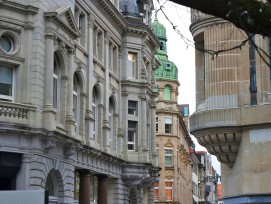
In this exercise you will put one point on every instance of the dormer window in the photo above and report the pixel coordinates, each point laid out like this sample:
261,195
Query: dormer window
161,45
168,67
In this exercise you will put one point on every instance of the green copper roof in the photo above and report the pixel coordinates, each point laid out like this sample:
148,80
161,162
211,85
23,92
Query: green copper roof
167,70
159,29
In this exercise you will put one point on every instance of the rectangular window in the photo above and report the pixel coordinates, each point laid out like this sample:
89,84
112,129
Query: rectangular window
132,65
6,83
156,191
132,107
55,90
76,185
132,130
168,125
156,123
115,59
169,190
100,40
168,157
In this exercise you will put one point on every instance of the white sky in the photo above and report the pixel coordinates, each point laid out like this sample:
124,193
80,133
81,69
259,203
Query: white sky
182,55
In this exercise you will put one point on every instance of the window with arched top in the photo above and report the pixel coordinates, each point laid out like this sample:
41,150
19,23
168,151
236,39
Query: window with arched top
111,121
56,85
167,93
95,113
76,101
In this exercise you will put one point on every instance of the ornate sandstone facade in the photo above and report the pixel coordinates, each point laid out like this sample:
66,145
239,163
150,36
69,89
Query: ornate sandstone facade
77,100
172,138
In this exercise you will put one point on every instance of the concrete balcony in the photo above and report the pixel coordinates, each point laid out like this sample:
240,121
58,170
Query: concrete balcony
16,113
220,130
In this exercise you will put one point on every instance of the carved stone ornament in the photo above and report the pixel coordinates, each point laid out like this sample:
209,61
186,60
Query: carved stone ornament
68,150
48,143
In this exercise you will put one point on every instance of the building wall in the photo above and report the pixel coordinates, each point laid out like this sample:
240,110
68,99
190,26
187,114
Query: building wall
232,117
65,121
172,138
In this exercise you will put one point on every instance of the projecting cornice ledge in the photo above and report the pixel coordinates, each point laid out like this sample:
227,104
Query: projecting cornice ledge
220,130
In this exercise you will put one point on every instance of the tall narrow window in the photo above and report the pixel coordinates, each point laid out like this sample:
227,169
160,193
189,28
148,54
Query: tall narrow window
132,107
168,157
200,67
76,101
169,190
156,191
167,93
132,65
132,130
111,121
100,41
95,113
6,83
115,59
56,86
156,123
168,125
76,185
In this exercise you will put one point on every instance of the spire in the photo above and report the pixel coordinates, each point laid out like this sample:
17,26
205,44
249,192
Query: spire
167,69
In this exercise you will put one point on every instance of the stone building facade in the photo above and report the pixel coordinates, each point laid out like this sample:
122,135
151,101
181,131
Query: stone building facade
233,97
77,99
172,138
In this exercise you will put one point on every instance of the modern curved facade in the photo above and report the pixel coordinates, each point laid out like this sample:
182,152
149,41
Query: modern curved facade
172,138
233,97
77,100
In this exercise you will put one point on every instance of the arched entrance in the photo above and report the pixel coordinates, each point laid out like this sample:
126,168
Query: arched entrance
54,186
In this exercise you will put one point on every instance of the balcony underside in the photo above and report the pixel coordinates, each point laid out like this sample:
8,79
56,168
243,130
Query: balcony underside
221,142
220,130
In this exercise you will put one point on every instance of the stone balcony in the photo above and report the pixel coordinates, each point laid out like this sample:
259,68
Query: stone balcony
220,130
16,113
197,16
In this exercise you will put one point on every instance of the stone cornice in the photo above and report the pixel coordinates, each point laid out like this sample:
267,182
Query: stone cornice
112,12
19,7
55,16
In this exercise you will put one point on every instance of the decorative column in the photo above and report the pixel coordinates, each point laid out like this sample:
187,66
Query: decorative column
144,143
70,121
102,189
106,125
48,110
153,133
120,132
90,79
100,125
84,188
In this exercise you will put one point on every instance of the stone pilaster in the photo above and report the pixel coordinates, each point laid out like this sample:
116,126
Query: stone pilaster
106,131
143,124
22,181
90,78
70,121
48,109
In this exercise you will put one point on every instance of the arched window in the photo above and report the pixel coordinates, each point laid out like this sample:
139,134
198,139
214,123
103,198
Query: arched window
56,86
95,113
76,101
111,121
49,186
167,93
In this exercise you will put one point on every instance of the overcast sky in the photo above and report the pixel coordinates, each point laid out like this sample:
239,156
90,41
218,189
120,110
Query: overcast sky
182,54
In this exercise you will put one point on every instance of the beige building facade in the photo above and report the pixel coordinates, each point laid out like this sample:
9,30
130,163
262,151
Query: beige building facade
77,100
233,97
172,138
